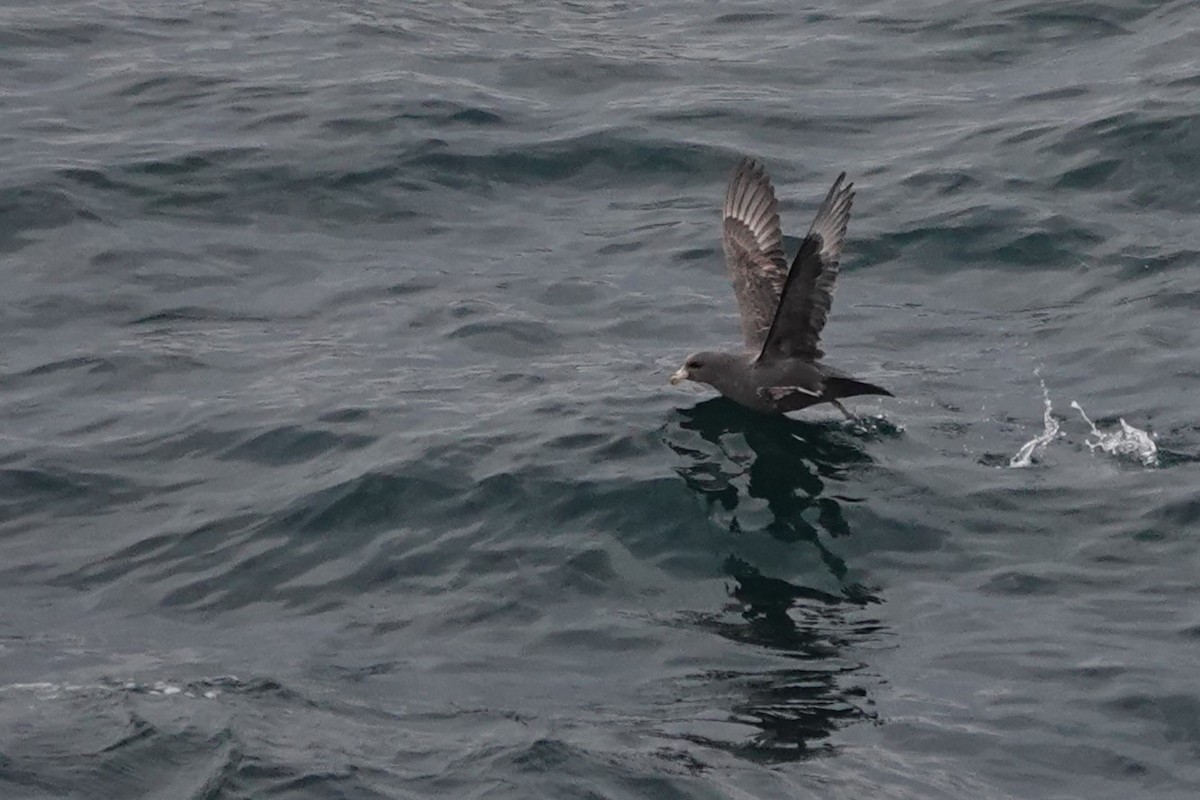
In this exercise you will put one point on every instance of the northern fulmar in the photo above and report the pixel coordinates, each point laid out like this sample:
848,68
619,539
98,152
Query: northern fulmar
783,310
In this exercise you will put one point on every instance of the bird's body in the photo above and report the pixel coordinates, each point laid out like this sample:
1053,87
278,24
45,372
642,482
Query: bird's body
783,309
775,386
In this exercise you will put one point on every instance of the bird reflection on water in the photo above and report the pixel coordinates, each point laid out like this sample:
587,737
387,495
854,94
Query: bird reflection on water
739,460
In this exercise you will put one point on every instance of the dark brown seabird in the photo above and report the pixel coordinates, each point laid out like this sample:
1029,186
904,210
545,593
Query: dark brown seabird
783,310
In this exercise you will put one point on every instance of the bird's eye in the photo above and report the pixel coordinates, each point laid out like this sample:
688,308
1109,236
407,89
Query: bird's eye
695,364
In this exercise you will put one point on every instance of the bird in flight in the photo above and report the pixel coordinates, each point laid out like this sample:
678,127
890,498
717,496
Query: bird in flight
783,309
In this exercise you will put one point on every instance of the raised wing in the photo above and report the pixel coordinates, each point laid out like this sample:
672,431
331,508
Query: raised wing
808,291
753,249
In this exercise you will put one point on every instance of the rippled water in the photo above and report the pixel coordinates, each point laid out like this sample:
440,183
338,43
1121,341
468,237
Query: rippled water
337,457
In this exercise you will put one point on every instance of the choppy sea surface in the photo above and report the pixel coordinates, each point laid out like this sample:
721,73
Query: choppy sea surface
337,454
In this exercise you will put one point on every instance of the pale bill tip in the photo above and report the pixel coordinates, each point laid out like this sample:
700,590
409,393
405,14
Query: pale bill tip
681,374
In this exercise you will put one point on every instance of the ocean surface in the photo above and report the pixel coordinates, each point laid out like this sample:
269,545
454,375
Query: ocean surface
337,453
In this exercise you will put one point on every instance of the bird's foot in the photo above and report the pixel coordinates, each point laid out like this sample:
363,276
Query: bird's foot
842,409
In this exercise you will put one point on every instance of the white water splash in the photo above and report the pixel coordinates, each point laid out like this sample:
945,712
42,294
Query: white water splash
1035,446
1128,442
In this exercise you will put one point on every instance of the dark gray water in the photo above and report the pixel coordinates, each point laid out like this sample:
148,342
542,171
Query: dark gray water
337,458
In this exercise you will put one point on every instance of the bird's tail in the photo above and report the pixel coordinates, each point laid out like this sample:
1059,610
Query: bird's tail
837,387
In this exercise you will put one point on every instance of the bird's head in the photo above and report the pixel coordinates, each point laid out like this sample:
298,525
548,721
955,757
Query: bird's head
698,367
